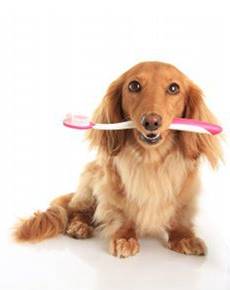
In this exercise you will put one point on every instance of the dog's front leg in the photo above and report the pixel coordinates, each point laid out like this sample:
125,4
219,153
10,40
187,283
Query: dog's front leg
115,226
182,237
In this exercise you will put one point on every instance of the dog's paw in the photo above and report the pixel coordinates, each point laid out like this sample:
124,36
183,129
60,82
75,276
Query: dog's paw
188,246
124,248
79,230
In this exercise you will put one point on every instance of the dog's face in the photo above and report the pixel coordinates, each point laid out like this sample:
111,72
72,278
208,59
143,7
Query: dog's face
153,94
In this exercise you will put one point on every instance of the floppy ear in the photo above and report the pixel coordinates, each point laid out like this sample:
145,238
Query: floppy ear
109,111
194,144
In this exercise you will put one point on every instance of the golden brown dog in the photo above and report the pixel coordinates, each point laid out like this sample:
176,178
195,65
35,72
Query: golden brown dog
144,180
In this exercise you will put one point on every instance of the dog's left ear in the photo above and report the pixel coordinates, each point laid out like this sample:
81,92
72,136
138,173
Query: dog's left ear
195,145
109,142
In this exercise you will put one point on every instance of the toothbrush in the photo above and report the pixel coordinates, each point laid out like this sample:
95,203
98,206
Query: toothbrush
180,124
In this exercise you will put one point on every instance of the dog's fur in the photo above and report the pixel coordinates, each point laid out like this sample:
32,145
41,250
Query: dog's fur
134,189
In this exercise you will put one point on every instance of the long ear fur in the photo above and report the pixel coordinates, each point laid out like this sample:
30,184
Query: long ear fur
194,144
109,111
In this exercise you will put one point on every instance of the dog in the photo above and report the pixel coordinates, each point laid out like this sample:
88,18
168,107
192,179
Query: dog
144,181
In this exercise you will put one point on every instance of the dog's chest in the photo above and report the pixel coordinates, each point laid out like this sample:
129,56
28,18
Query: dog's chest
151,189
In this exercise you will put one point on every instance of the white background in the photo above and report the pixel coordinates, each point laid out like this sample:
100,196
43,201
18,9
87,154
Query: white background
58,57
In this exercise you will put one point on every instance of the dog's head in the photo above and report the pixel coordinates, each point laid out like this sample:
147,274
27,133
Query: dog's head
152,94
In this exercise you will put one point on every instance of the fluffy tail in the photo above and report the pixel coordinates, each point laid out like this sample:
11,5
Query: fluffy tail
44,225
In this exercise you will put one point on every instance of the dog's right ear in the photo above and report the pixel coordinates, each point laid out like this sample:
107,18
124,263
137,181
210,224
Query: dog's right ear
109,111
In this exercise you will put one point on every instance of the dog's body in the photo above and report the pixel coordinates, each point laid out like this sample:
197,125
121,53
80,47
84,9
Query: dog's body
145,180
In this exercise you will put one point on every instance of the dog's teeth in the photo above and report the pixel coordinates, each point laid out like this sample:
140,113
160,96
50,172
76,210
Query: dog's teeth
152,138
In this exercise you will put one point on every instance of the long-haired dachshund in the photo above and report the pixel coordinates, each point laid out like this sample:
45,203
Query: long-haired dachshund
144,180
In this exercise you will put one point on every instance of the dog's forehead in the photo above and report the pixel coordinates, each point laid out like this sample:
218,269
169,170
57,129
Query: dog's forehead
155,70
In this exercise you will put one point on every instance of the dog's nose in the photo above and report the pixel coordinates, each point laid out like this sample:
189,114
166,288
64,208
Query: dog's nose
151,121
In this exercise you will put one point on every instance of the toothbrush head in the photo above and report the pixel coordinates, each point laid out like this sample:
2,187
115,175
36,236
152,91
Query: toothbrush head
78,122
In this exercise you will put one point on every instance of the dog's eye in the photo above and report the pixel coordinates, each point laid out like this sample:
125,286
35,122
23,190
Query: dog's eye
173,89
134,86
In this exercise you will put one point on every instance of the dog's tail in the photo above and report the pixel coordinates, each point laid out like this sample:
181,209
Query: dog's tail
44,225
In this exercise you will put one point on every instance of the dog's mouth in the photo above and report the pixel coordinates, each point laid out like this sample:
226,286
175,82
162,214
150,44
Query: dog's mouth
150,138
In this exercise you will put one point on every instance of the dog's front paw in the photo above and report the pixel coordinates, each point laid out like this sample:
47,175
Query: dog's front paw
124,248
79,230
188,246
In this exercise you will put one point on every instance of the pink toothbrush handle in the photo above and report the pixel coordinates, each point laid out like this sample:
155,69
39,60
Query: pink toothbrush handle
210,128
